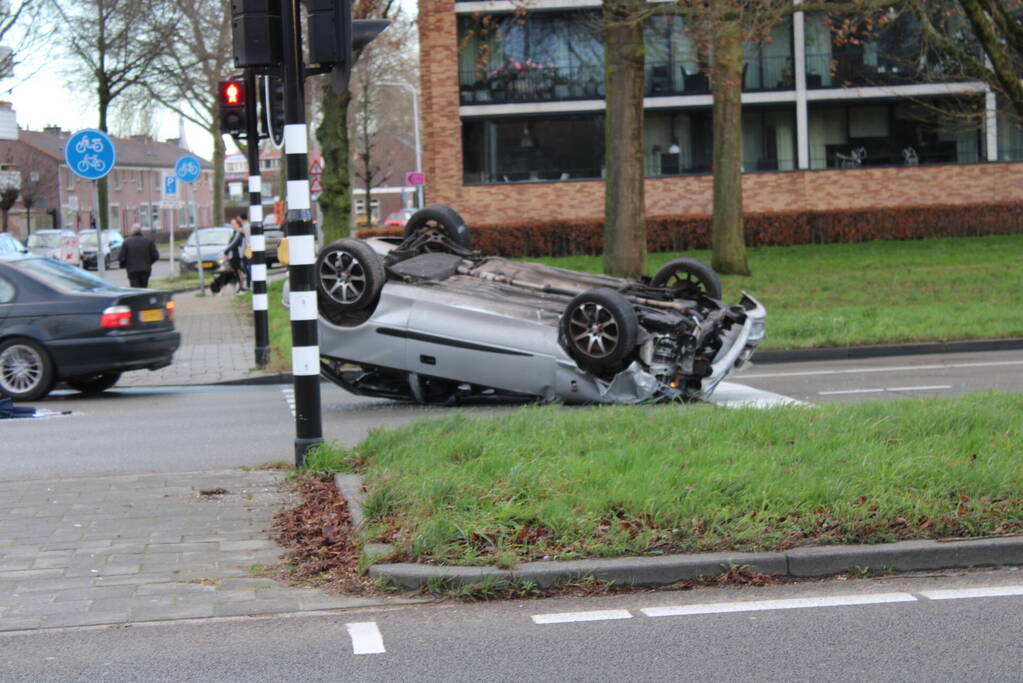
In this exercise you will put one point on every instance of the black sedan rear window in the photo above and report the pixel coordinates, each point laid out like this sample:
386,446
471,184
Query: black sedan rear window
61,275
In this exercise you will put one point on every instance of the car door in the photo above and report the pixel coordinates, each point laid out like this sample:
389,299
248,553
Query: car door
6,299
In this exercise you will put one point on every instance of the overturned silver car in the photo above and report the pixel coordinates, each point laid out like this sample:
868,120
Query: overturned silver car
432,321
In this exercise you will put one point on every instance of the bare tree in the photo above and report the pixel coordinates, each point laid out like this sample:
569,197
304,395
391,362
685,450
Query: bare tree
113,45
20,32
332,132
37,178
368,170
185,77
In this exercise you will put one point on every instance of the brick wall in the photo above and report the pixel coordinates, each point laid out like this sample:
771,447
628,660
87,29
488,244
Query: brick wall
688,195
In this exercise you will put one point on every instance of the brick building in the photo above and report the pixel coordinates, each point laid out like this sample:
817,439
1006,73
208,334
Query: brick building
827,124
135,186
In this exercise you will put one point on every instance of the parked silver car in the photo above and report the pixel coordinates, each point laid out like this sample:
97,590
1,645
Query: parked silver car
206,245
432,321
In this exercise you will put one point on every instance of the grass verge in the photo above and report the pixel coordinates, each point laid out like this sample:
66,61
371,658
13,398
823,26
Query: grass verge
546,482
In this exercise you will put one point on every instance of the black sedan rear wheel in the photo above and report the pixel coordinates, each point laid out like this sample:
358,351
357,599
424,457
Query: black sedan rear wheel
26,370
349,276
600,330
94,384
688,278
437,222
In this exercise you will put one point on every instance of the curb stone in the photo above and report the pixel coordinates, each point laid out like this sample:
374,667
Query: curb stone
664,570
768,356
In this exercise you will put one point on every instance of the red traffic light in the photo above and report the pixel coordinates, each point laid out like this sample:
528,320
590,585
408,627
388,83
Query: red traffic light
231,92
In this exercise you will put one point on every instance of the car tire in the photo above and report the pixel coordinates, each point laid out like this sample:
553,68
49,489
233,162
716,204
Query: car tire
688,278
94,384
600,330
26,369
439,221
349,277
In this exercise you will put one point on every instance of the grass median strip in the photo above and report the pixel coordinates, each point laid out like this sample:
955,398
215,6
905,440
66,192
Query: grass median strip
550,482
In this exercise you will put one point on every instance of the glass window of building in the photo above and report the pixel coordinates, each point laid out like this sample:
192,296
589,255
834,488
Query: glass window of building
935,131
533,148
768,64
1010,138
678,142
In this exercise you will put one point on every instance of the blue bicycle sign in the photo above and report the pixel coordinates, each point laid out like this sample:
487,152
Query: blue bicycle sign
188,168
90,154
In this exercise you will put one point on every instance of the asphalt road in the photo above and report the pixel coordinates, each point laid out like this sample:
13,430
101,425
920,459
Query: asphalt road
931,628
872,379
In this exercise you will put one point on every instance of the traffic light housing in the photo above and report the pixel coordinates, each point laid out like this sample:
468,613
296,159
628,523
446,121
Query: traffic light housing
333,36
272,98
256,31
231,98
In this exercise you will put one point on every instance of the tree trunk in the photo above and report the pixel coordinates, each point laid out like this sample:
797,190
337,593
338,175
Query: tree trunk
219,153
728,237
336,198
102,210
624,206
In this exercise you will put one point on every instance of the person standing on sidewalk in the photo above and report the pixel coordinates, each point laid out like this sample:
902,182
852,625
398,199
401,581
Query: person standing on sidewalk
235,251
138,254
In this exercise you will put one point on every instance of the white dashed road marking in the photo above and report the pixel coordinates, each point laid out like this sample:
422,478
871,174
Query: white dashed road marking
366,638
764,605
960,593
856,371
933,387
289,397
595,615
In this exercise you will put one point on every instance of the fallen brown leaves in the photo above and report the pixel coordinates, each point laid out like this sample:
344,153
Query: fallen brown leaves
320,540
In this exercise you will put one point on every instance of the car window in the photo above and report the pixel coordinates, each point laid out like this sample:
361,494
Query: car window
6,291
9,245
60,275
48,240
211,236
88,239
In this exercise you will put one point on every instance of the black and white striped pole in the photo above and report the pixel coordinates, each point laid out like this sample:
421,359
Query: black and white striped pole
305,351
256,239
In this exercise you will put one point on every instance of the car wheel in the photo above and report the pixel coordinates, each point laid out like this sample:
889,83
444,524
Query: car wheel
600,330
349,276
26,371
94,384
688,278
437,222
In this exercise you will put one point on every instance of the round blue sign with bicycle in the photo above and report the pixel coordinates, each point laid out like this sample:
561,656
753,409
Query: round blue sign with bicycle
188,168
90,154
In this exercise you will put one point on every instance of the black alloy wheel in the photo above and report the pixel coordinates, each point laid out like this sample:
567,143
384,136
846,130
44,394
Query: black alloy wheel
435,223
600,330
349,277
688,278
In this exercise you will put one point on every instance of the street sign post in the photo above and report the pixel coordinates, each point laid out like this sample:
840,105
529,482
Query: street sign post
91,155
187,170
170,201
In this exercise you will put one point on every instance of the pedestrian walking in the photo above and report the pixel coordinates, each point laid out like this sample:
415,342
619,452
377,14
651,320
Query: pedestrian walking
246,250
234,253
138,254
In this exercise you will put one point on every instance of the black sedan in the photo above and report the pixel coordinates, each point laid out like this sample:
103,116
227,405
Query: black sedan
60,323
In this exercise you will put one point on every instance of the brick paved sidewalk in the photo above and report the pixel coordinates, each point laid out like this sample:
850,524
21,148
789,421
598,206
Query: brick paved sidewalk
131,548
217,344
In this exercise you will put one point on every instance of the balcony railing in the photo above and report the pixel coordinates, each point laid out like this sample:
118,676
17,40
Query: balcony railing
534,84
838,71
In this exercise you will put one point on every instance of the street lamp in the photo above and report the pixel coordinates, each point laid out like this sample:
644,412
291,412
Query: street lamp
415,131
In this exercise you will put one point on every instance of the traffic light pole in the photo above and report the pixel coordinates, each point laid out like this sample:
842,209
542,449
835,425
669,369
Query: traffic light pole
305,351
256,239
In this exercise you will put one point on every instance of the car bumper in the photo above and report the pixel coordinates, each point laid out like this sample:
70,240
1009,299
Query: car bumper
735,352
114,353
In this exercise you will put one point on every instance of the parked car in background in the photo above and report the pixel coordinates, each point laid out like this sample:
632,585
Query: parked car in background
60,323
398,219
60,245
11,245
112,241
206,245
273,238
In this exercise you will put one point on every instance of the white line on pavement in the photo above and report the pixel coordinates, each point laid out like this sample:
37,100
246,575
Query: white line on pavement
932,387
897,368
595,615
986,592
366,638
762,605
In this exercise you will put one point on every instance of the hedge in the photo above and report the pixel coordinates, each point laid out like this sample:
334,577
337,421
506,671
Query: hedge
679,233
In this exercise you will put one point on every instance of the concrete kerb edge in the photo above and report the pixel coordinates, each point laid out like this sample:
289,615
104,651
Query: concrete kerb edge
768,356
664,570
